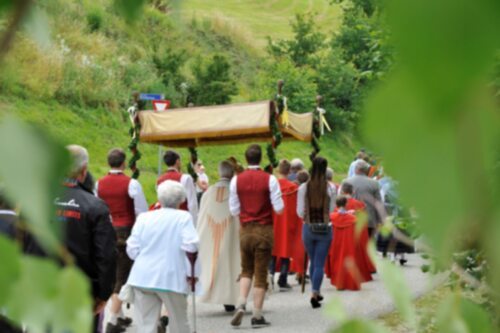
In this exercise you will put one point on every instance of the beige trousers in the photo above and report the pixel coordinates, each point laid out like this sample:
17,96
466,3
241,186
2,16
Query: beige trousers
148,304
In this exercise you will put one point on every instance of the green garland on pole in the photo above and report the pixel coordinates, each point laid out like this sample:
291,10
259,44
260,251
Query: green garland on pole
193,159
316,130
134,133
277,110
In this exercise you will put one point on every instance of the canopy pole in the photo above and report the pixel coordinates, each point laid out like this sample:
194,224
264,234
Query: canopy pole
160,157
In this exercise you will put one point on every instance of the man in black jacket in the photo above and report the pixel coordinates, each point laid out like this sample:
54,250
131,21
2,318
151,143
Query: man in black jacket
88,233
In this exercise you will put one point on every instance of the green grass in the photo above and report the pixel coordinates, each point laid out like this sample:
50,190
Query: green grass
258,19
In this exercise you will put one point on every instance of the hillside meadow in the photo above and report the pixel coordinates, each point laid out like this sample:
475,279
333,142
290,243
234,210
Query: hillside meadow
77,87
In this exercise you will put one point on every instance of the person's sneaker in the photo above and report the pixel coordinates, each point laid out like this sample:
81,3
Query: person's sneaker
261,322
238,317
162,324
285,287
126,321
110,328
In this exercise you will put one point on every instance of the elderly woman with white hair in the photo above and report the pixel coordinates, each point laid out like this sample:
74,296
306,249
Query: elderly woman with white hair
159,244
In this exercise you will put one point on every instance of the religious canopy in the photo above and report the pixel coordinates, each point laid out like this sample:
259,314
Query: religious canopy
221,124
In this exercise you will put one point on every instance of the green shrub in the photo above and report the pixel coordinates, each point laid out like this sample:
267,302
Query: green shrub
95,19
300,87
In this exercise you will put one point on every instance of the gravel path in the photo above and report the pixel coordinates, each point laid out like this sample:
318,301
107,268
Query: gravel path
291,312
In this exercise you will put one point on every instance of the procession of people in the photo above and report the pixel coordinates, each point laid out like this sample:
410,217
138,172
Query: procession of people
223,242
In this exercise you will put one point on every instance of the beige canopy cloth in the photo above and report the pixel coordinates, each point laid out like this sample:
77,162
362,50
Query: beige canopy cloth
222,124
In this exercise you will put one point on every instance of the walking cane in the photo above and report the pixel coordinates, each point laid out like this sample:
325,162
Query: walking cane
192,256
306,259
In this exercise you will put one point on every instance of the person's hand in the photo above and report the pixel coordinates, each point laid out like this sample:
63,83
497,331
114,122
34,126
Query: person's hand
99,305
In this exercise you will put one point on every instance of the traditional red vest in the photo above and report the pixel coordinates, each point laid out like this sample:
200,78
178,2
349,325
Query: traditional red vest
113,189
252,187
176,177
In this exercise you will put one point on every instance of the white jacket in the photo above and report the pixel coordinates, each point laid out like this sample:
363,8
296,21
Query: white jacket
158,245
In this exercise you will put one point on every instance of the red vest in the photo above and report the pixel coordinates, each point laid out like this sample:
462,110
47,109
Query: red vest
176,177
252,187
113,189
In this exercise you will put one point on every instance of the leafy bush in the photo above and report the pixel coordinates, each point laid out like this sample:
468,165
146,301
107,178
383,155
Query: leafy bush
299,88
95,18
303,48
213,81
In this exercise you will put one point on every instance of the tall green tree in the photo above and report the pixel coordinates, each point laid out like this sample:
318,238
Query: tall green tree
303,49
213,82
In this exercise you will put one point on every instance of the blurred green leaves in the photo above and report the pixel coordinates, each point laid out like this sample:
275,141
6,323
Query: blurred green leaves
37,293
6,4
446,45
359,326
435,112
395,283
31,170
457,315
36,25
9,257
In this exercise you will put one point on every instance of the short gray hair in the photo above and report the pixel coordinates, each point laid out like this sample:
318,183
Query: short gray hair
79,159
226,170
171,194
297,164
329,174
361,167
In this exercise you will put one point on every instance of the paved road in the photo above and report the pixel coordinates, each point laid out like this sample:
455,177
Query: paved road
291,312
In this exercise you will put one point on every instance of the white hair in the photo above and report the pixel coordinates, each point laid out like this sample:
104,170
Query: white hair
329,174
226,170
361,167
297,164
79,157
171,194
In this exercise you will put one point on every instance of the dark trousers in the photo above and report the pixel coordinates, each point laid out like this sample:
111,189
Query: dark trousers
284,269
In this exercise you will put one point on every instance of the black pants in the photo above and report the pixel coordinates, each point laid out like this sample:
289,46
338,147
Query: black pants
284,268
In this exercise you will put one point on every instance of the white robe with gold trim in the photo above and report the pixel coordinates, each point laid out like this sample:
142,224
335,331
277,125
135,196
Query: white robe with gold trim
219,249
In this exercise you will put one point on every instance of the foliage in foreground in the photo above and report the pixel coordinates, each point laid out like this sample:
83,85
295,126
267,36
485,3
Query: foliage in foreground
435,122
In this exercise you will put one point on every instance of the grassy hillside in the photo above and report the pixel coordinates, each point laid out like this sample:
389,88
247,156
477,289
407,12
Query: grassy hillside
78,88
257,19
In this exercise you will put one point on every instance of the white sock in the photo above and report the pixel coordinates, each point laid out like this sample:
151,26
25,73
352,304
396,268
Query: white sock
114,318
242,302
257,313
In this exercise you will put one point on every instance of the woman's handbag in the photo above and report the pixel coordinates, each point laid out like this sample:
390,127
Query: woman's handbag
319,228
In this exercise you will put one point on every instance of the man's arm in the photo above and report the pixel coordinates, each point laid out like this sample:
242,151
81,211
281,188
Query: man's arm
275,192
136,193
234,201
192,201
104,249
